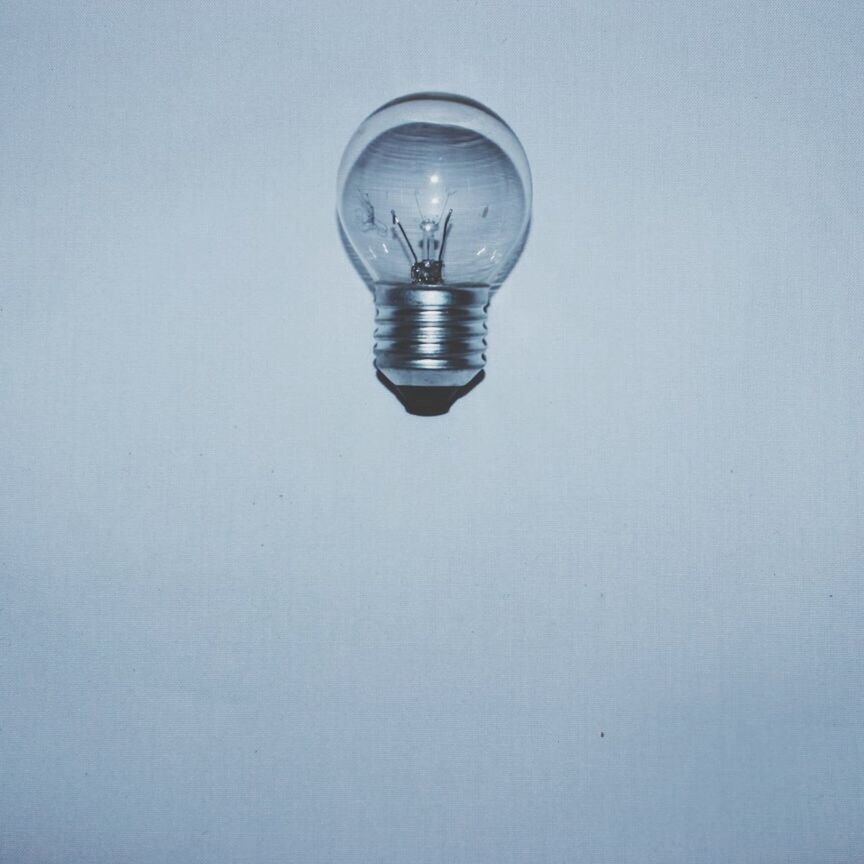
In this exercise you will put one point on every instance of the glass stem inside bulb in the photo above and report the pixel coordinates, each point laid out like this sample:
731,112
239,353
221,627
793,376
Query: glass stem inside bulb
428,270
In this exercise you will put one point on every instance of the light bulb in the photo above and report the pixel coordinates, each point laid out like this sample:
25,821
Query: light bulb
434,205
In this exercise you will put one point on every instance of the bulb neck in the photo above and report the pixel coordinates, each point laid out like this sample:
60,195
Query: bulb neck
430,335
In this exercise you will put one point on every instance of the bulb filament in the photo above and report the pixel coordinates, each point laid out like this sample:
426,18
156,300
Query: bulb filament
429,270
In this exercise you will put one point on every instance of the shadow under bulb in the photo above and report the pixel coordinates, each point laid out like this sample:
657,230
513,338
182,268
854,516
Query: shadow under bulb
434,205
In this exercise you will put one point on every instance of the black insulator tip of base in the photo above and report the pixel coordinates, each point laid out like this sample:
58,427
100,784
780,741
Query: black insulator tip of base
429,401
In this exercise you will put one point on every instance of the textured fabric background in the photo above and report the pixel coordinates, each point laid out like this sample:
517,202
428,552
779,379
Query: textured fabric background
609,610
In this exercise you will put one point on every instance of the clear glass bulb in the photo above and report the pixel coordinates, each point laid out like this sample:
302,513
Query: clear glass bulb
434,204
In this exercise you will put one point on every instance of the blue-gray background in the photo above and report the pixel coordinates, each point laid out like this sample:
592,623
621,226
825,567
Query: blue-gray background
608,610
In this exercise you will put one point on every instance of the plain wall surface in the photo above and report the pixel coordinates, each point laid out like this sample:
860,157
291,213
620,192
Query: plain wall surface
608,610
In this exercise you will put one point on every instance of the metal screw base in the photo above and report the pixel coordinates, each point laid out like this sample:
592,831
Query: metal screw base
430,335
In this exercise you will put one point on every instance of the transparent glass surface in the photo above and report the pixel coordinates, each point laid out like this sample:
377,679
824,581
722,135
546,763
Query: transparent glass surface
434,189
